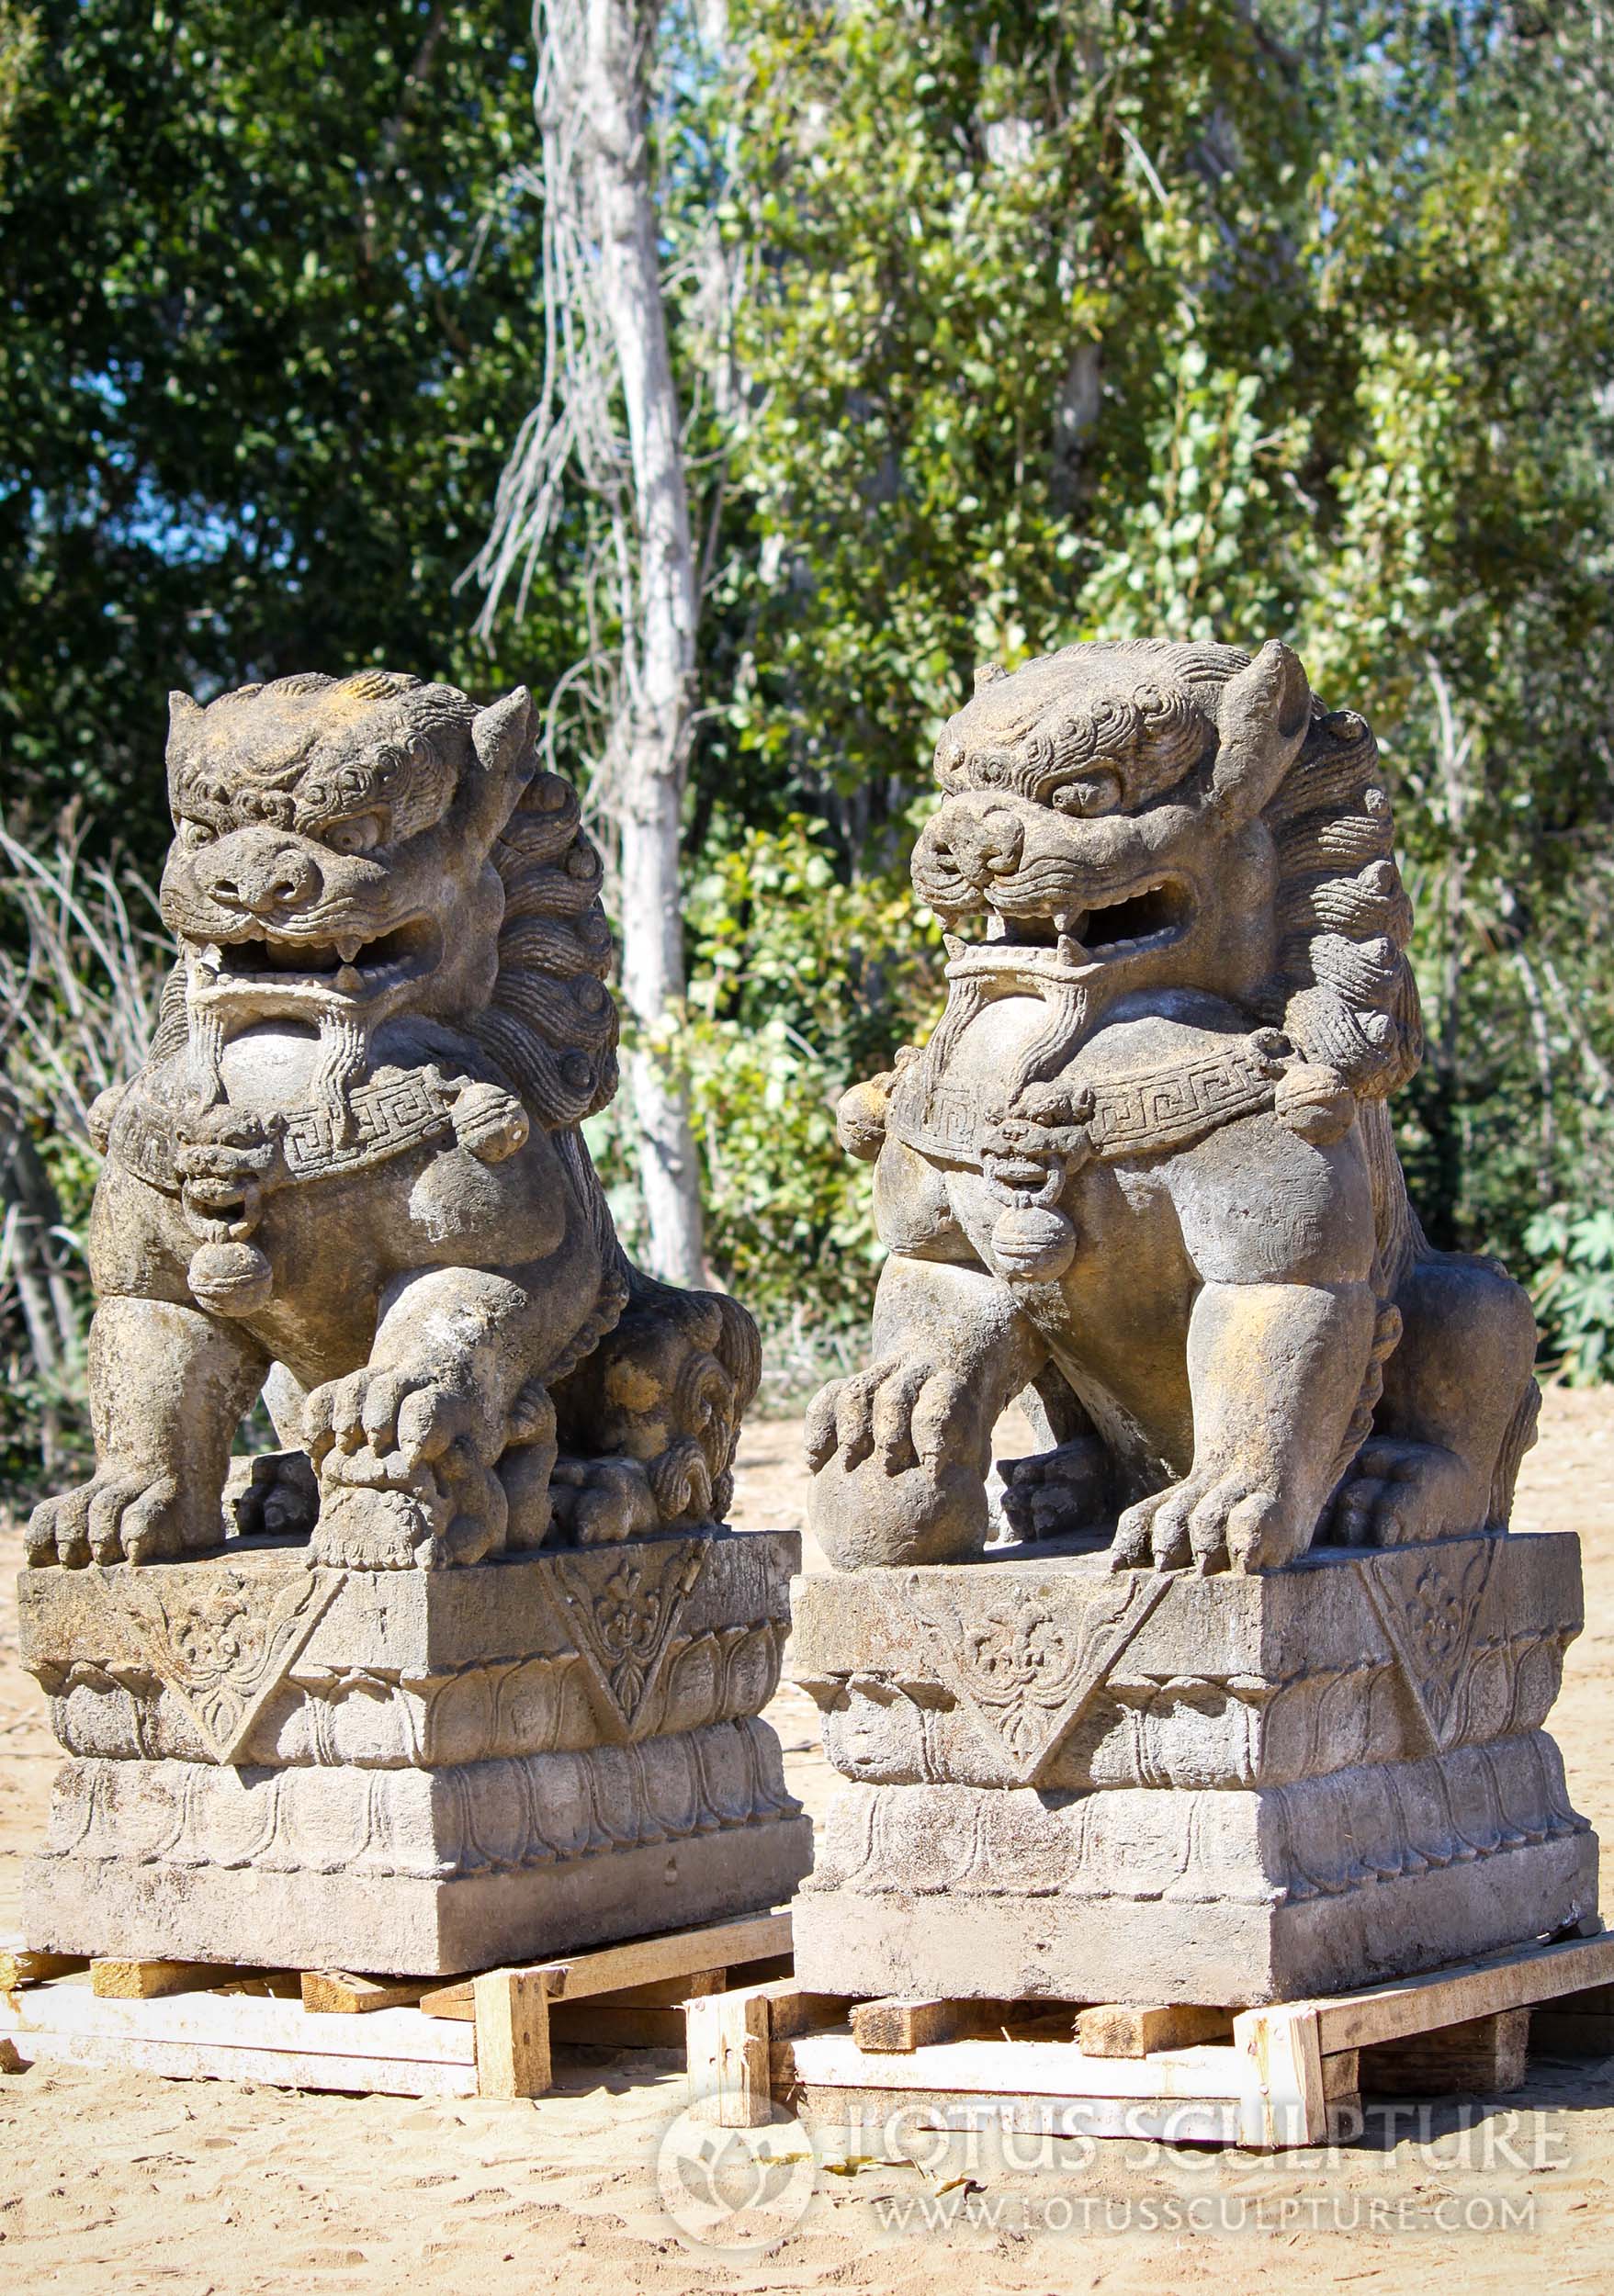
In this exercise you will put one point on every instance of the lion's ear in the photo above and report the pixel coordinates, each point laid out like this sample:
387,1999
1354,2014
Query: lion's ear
502,733
182,710
1261,721
501,736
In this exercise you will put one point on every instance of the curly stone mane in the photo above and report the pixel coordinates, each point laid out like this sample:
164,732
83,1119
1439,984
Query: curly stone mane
551,1023
1343,992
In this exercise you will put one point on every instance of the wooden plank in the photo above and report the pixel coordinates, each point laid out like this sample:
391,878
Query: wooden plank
454,2001
602,2025
1342,2075
338,1993
1451,1997
512,2033
880,2118
1033,2068
1122,2029
1482,2057
670,1992
1284,2047
729,2071
278,2068
895,2026
117,1980
640,1960
20,1964
222,2020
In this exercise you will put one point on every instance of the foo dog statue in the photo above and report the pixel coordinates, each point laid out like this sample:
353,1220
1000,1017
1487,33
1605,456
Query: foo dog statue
351,1166
1249,1707
1143,1169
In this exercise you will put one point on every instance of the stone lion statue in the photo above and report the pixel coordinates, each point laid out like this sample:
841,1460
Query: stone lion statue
1142,1173
350,1173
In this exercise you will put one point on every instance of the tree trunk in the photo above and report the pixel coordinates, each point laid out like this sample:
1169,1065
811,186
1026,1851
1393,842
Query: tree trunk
652,746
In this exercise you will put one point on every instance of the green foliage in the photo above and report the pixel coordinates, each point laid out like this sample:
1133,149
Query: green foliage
1082,319
1574,1294
269,327
801,985
1051,320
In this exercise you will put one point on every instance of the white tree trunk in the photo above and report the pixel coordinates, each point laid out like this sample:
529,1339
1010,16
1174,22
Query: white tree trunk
658,686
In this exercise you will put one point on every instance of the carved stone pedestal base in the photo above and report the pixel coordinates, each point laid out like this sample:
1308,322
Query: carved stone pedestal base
1066,1783
411,1772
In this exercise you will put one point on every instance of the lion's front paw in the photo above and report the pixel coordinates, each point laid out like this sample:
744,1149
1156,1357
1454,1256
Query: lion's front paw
405,1466
122,1514
897,1413
895,1479
384,1411
1227,1521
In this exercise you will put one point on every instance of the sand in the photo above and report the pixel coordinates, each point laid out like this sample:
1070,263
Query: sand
121,2184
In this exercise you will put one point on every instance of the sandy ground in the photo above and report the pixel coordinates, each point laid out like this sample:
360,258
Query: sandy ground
123,2184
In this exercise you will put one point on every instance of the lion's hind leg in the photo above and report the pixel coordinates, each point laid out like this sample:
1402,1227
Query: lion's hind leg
1457,1414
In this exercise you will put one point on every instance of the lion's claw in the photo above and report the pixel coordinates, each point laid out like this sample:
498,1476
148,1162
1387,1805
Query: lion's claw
405,1473
1398,1494
1210,1521
900,1408
123,1514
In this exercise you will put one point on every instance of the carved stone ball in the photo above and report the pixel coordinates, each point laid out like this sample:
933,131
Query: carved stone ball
1033,1243
1317,1102
231,1278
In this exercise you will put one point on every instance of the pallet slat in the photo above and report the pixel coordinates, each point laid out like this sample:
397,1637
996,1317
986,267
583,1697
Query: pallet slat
336,1993
1031,2069
1451,1997
486,2035
224,2021
1290,2071
640,1961
277,2068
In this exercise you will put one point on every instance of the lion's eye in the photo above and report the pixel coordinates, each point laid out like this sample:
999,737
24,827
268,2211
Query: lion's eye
357,836
195,833
1094,793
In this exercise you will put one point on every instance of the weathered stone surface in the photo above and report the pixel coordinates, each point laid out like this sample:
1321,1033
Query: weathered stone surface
566,1745
384,1668
1142,1174
1247,1699
352,1167
1221,1952
482,1675
1033,1667
1063,1782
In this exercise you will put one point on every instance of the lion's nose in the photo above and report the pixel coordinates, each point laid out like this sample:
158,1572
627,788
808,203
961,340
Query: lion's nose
979,846
264,879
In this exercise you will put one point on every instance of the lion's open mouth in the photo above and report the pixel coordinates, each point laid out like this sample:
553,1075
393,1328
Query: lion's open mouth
350,965
1154,918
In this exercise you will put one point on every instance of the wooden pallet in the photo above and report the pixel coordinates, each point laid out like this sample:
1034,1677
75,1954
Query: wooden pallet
487,2035
1289,2075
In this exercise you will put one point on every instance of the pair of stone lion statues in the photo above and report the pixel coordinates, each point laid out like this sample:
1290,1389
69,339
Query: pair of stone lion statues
1140,1177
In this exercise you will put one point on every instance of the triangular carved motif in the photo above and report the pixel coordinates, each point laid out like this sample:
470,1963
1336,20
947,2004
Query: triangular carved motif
222,1644
620,1605
1429,1602
1024,1664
